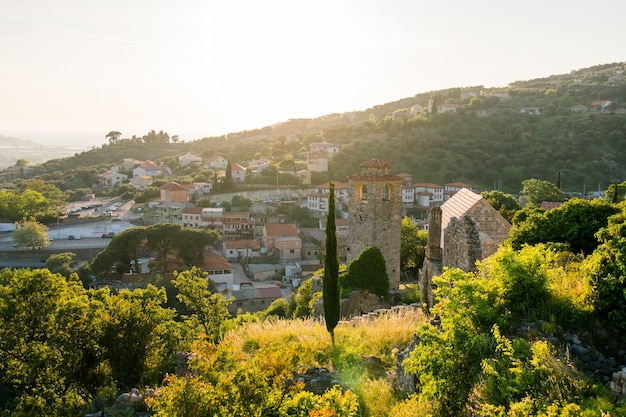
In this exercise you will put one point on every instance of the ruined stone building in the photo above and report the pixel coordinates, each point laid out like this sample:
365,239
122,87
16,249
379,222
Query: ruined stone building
466,229
375,215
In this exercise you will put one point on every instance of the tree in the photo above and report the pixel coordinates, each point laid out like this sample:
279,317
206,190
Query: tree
31,235
607,272
113,137
138,335
206,309
61,263
49,336
412,245
504,203
227,183
574,224
369,272
330,291
537,191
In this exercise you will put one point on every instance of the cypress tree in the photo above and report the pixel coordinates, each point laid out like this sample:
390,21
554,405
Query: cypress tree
331,269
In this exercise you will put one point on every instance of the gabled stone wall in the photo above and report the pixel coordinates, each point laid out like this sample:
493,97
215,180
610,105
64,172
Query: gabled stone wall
462,244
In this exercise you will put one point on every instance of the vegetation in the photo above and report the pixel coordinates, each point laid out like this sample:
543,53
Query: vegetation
367,271
31,235
331,295
412,247
496,343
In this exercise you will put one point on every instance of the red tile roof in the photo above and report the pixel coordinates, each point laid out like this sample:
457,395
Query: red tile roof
281,230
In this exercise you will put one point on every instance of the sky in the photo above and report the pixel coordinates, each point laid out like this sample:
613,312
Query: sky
73,70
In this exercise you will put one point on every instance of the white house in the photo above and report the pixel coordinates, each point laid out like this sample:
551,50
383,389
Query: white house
216,162
317,201
238,172
240,249
148,168
110,179
189,158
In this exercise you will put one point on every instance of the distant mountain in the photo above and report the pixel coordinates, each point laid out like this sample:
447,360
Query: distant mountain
13,148
13,141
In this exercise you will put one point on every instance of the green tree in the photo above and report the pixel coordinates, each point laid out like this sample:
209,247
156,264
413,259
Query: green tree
331,296
412,246
227,182
607,274
137,341
537,191
574,224
504,203
113,137
31,235
61,263
369,272
204,308
304,300
49,337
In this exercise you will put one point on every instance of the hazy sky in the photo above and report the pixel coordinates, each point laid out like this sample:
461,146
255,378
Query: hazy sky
79,69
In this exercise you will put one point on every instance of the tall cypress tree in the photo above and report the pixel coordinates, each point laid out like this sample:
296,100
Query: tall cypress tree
331,269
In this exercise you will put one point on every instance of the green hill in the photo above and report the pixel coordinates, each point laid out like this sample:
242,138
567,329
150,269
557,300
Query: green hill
494,136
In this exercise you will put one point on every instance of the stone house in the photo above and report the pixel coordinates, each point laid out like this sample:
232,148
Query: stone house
465,229
489,227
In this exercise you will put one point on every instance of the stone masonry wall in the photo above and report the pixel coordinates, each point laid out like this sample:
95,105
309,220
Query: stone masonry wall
462,244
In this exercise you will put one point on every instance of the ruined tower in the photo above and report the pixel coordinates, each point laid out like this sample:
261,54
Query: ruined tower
375,215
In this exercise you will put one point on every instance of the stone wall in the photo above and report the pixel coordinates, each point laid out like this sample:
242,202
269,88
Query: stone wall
462,244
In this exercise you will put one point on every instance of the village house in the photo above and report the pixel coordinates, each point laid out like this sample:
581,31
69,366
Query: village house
173,192
317,201
147,168
240,249
219,270
111,178
304,176
257,166
253,296
230,225
189,158
216,162
130,163
318,156
452,188
141,182
283,241
238,173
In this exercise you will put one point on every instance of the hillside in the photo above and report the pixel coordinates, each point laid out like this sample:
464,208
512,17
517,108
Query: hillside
529,129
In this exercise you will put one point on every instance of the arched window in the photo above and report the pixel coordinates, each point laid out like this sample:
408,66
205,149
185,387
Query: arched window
361,192
387,192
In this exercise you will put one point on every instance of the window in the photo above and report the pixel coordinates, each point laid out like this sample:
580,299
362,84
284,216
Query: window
292,251
361,192
387,192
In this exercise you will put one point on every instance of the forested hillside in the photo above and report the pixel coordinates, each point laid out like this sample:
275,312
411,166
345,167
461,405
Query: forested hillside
495,136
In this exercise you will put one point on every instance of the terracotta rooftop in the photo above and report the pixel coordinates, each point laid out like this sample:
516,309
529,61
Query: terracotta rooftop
281,230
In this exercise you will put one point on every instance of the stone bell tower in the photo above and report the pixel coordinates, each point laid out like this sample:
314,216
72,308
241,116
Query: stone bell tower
375,215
